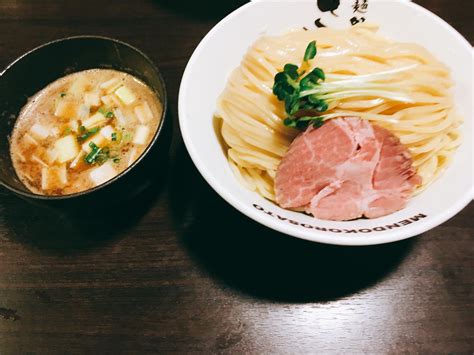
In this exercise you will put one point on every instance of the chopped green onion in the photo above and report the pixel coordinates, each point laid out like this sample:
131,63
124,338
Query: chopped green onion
103,156
126,137
86,133
107,113
97,155
92,156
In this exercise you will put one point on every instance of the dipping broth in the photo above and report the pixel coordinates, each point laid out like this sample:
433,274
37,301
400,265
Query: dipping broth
82,130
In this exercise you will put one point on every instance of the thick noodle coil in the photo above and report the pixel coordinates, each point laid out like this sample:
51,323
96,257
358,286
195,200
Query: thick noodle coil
252,117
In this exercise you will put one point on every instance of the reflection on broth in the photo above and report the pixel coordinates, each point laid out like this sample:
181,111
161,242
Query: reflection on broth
82,130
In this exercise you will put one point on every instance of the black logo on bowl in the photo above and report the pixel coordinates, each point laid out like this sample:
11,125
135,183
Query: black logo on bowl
385,227
318,23
328,5
354,20
359,8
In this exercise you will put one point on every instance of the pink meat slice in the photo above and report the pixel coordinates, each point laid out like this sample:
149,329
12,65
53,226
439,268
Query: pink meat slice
394,178
345,170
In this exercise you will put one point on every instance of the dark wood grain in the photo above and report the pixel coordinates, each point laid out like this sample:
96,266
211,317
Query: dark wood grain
172,277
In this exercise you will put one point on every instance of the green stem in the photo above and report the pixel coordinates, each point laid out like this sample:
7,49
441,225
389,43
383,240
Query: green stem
369,77
375,93
329,88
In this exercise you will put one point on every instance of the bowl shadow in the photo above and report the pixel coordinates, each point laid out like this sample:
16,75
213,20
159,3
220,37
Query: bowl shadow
263,263
76,227
73,231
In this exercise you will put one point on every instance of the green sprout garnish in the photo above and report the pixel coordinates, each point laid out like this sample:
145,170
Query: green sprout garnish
307,97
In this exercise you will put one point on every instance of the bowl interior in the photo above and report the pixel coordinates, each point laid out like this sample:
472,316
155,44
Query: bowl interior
210,66
43,65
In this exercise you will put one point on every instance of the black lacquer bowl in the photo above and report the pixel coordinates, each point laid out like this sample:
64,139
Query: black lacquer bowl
41,66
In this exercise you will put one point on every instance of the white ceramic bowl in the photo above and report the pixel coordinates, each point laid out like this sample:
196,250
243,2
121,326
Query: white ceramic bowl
222,50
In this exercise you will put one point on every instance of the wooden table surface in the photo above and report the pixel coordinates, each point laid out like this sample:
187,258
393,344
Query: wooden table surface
165,278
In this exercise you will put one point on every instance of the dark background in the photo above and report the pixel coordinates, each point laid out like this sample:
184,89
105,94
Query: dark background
172,276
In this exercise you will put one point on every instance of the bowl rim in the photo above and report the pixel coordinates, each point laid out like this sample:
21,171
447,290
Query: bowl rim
163,100
237,203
